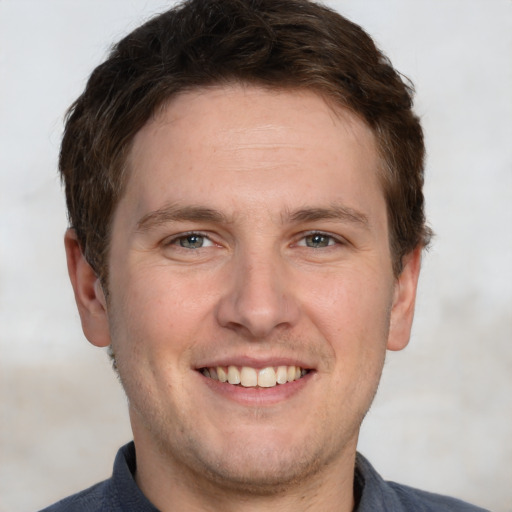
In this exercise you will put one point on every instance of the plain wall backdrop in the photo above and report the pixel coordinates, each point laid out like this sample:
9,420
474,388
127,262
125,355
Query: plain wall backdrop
443,417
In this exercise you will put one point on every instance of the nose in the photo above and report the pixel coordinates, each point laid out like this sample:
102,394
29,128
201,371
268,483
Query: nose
259,297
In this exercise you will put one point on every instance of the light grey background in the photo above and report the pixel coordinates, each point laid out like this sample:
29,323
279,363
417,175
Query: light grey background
443,417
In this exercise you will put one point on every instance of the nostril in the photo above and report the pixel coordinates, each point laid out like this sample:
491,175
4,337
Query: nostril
258,299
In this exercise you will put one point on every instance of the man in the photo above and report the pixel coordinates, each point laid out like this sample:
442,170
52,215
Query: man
244,185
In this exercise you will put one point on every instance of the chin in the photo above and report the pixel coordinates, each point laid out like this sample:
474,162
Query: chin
261,465
263,473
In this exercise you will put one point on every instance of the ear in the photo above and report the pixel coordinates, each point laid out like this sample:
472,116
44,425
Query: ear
404,298
89,295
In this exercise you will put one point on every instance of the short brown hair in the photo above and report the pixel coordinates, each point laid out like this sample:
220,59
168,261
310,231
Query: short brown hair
273,43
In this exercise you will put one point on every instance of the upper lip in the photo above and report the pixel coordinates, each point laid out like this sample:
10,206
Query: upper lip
254,362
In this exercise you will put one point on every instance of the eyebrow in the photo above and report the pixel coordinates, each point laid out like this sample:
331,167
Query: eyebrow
334,212
175,213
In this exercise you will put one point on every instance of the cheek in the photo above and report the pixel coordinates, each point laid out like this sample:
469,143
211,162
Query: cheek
158,312
351,303
351,314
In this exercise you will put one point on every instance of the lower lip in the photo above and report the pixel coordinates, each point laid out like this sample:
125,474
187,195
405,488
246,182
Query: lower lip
257,396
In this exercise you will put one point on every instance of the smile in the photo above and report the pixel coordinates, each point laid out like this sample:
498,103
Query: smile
251,377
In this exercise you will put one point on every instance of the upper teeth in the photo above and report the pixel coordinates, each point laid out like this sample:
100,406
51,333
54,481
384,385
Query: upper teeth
251,377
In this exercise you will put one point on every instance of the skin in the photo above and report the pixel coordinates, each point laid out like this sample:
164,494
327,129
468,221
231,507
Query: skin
256,174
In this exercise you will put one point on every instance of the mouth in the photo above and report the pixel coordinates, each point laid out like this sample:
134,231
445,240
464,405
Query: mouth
249,377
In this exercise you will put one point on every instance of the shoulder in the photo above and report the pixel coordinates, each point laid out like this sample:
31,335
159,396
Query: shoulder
423,501
118,493
379,495
89,500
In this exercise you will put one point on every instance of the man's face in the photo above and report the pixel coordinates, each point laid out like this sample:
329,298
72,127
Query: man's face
252,241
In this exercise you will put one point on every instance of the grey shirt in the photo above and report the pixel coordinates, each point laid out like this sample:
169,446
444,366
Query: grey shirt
120,493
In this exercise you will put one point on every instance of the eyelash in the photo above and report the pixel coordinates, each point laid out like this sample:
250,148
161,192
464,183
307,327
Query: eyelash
331,239
183,236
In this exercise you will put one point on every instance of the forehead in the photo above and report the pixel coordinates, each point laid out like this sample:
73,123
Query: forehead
236,107
250,144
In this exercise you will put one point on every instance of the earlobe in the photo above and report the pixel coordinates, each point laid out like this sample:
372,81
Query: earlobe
402,312
89,295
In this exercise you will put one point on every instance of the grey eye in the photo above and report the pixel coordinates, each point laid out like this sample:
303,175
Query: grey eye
192,241
318,240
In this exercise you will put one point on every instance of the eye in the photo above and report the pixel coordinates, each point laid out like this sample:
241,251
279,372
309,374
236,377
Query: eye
317,240
192,241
